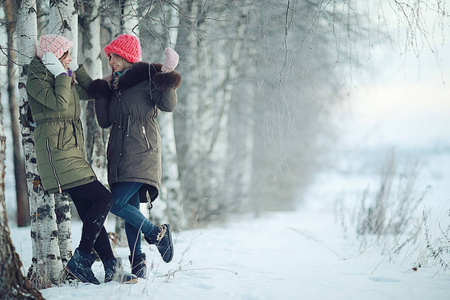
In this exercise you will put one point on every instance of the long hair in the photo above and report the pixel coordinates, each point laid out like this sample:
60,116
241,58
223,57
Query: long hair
116,75
73,73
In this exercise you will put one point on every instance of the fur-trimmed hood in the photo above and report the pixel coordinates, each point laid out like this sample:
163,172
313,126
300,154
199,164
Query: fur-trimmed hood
138,72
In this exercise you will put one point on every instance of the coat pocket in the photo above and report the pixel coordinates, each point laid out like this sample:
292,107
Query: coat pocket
65,136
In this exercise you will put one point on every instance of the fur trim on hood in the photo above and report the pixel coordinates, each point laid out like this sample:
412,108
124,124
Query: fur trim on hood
135,74
141,71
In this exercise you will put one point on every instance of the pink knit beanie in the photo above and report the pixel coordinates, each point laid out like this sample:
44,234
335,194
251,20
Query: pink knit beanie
126,46
53,43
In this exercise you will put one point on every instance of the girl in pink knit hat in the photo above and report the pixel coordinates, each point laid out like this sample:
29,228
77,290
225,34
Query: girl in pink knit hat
54,99
128,101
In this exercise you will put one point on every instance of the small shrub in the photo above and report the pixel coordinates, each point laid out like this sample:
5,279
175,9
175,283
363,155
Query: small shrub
438,248
389,216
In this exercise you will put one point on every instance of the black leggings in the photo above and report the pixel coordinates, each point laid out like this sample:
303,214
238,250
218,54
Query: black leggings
93,202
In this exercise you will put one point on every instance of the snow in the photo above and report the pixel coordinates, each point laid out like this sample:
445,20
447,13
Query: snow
302,254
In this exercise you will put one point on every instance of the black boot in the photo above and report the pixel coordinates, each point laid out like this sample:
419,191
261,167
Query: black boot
80,266
162,238
114,271
138,265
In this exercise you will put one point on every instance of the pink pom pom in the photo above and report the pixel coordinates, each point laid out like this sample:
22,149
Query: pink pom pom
171,61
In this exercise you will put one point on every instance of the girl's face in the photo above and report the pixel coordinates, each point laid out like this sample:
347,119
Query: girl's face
66,59
117,63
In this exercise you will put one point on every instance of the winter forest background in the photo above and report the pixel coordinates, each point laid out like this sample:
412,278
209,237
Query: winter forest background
269,89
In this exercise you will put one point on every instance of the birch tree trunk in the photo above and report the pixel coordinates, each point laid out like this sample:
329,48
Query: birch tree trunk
63,20
47,265
185,124
171,193
23,210
96,137
237,151
130,17
13,285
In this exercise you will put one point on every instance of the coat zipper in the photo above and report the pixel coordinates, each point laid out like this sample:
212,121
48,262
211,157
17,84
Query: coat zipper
145,137
74,120
121,130
128,125
53,166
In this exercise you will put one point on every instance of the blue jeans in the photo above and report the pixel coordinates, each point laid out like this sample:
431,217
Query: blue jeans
126,205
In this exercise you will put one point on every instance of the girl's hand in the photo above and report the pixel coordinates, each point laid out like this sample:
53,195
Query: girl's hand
73,65
171,61
53,64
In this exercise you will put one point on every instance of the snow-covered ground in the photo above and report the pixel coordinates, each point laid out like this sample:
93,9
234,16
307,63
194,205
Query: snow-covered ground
301,254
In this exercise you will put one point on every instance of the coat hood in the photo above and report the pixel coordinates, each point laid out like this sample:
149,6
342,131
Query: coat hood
136,74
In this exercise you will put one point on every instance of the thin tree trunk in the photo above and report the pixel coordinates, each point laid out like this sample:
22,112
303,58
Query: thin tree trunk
47,266
23,210
63,210
238,150
96,137
63,20
13,285
185,131
171,193
130,17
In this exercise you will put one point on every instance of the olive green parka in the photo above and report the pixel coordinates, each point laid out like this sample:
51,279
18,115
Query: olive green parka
58,136
130,110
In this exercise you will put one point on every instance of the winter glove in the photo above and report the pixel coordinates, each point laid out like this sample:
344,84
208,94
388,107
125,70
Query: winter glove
171,61
99,89
53,64
73,65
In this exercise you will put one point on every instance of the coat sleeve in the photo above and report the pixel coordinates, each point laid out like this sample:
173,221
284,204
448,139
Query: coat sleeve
100,91
55,97
164,88
166,100
101,111
84,80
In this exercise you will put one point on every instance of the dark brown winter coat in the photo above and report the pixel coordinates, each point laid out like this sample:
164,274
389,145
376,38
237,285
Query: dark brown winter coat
134,146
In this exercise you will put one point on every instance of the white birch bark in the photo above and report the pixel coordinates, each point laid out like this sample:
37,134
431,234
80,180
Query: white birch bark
96,137
171,193
185,125
206,160
47,265
63,20
63,210
238,152
131,18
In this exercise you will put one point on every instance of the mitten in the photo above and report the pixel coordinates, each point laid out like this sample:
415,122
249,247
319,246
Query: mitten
53,64
171,61
73,65
99,89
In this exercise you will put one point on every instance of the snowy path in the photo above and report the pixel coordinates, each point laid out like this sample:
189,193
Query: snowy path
298,255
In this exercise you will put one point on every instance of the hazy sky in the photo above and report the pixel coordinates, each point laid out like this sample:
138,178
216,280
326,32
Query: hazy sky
404,100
